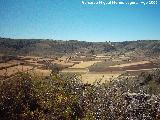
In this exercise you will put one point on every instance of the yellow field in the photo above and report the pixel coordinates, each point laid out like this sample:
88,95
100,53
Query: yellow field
92,77
63,63
29,57
118,60
141,70
40,72
75,70
31,61
5,64
20,68
10,63
84,64
15,69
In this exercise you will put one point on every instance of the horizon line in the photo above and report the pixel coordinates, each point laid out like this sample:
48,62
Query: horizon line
77,39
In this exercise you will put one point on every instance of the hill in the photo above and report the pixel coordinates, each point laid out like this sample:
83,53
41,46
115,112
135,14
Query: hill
46,47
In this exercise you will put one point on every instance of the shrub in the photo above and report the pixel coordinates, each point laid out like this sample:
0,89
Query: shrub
65,97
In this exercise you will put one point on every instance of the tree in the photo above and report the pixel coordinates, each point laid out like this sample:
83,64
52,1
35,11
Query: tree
92,52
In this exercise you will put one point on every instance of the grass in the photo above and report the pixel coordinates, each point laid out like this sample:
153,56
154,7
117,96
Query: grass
84,64
92,77
15,69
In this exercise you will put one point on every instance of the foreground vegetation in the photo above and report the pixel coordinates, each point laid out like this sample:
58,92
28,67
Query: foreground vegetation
65,97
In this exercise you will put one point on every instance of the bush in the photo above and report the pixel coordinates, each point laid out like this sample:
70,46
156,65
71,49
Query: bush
65,97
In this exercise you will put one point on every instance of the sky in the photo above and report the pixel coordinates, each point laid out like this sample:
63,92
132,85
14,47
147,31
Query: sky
73,20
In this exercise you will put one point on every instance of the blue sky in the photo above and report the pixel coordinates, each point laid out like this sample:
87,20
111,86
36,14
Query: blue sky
71,20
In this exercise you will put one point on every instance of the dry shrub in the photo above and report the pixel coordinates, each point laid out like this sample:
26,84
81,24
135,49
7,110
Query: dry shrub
65,97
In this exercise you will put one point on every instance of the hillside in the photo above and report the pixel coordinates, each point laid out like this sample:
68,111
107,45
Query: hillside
41,47
51,47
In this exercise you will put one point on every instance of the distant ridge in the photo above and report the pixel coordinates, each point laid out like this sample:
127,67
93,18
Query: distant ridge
47,47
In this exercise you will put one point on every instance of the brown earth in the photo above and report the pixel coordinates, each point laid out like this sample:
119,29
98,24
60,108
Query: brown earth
131,67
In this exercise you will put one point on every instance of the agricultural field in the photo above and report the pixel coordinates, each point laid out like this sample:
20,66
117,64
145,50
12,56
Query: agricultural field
101,67
90,78
12,70
108,69
23,64
84,64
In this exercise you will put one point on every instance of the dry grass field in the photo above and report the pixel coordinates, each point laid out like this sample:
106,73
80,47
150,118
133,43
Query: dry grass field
40,72
62,63
10,63
75,70
84,64
130,64
15,69
12,70
92,77
6,65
